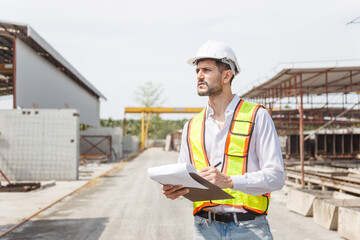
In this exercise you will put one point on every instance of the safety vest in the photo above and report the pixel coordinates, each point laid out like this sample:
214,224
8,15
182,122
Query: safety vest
235,155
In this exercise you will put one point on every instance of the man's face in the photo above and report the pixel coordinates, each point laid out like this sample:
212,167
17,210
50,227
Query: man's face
208,78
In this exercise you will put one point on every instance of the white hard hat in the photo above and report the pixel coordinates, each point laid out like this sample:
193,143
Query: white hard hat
219,51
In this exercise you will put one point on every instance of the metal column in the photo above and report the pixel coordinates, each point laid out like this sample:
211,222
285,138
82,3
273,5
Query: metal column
143,131
14,73
301,133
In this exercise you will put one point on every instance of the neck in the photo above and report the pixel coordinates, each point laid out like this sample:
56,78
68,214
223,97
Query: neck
220,102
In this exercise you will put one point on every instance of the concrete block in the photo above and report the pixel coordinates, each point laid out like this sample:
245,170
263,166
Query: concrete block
301,200
131,144
326,210
39,144
349,222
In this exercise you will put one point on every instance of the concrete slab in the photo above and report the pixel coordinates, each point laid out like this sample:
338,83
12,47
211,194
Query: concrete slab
301,200
39,144
285,224
326,210
349,222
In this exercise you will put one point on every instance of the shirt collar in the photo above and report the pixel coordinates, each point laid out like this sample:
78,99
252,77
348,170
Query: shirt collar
229,110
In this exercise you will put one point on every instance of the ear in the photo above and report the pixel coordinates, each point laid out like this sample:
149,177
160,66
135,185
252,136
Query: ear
227,75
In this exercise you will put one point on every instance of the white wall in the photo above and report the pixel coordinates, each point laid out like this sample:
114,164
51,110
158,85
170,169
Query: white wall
39,144
131,144
41,83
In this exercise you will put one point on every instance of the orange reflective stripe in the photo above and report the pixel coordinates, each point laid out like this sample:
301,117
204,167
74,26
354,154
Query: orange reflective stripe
204,205
236,113
228,138
244,165
250,126
255,210
225,167
189,145
208,204
203,139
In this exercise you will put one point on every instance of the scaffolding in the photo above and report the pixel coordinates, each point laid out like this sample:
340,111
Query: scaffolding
312,96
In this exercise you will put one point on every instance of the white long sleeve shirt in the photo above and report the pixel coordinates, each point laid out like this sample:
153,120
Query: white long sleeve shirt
265,171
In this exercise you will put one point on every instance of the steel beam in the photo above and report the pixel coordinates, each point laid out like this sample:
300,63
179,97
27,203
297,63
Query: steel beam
301,133
161,110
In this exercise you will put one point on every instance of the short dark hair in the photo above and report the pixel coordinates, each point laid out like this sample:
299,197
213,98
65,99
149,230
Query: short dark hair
220,65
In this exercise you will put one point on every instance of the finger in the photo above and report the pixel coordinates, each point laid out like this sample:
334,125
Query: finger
174,195
204,174
177,194
210,169
204,170
173,189
166,187
209,173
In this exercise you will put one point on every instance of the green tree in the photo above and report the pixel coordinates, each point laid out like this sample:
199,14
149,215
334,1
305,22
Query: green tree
159,127
111,123
149,94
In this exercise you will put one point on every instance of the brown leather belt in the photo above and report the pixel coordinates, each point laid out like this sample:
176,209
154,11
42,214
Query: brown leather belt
227,217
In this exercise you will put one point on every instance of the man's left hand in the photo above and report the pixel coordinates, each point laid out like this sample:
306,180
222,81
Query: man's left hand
216,177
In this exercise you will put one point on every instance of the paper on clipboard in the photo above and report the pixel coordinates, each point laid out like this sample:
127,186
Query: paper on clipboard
175,174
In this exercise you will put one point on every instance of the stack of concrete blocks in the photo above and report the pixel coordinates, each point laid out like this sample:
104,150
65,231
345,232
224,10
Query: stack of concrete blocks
349,222
130,145
155,143
332,210
301,201
326,210
39,144
116,139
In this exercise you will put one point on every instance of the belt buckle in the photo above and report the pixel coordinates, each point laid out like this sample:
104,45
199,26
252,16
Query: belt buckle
209,217
235,218
216,220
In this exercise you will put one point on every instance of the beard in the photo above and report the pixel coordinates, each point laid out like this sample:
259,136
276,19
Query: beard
212,90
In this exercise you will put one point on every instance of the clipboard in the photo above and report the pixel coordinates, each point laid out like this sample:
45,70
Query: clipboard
212,193
186,175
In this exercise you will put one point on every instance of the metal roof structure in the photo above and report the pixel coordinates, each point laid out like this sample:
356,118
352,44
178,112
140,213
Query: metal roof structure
299,83
296,81
11,30
310,83
287,121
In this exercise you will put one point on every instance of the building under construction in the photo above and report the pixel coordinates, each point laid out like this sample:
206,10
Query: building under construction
39,136
317,110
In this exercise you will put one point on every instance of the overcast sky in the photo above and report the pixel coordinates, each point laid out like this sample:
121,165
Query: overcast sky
119,45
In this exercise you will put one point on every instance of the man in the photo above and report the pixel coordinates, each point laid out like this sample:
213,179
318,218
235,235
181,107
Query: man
239,138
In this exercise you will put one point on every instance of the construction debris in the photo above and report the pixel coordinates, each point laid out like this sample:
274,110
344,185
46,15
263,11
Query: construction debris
20,187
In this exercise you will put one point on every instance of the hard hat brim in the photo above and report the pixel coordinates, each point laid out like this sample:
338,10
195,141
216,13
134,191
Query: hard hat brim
193,62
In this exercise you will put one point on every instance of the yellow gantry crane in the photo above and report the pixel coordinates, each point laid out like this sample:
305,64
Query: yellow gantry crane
146,114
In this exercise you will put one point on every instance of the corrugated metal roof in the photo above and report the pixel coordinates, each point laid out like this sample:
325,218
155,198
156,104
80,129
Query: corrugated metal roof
314,81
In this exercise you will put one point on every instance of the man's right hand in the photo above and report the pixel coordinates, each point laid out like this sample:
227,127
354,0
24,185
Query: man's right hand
174,192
